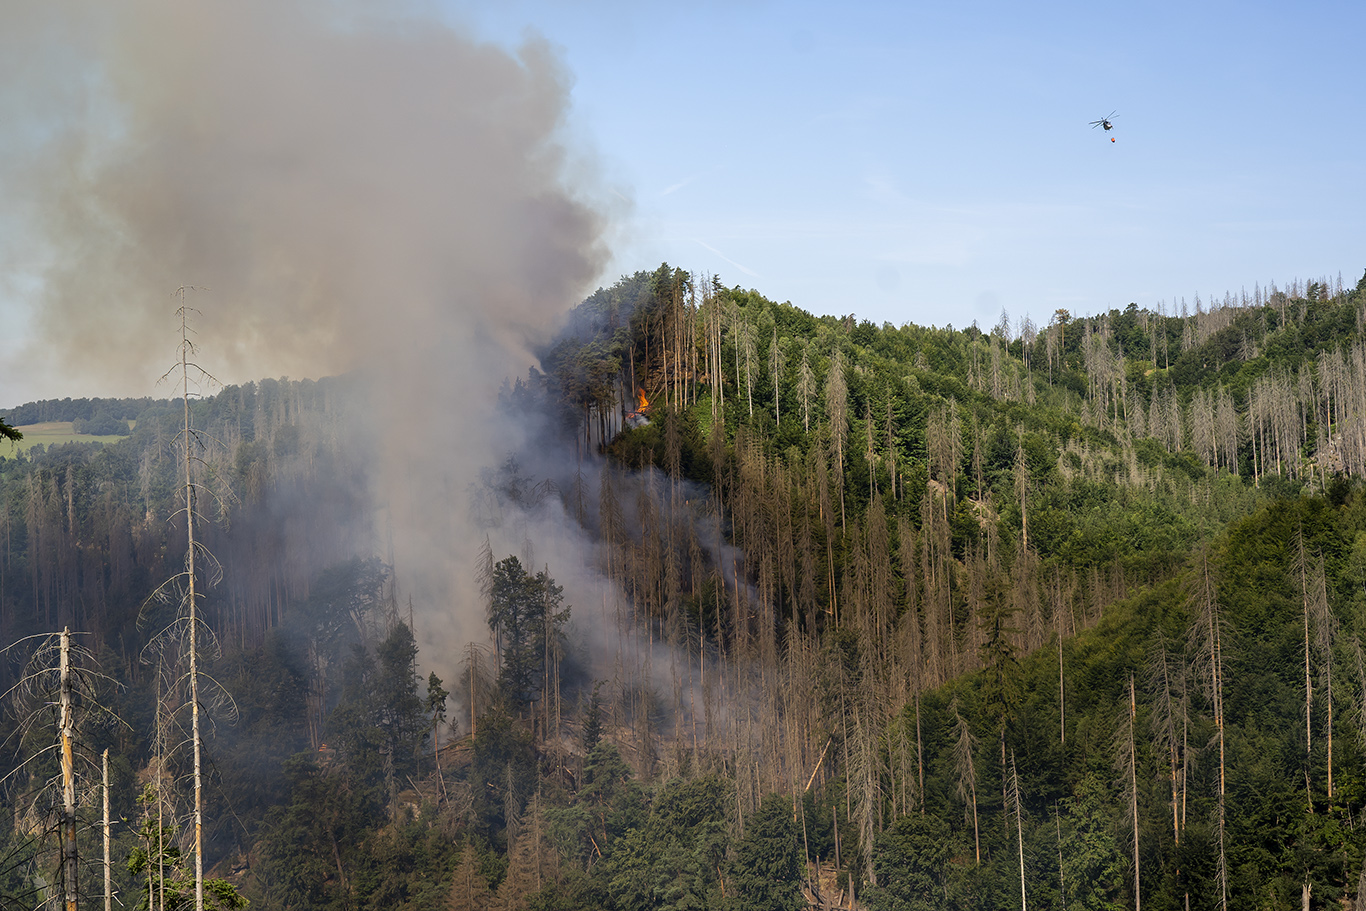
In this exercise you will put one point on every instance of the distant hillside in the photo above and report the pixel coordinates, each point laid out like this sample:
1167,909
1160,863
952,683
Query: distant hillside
68,409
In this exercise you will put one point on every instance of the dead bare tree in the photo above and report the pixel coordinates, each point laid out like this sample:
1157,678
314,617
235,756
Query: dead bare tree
1013,808
1166,686
837,408
1126,761
185,588
108,865
1325,636
777,364
61,674
965,771
1207,642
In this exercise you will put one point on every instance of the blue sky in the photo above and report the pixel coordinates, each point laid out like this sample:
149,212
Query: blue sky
933,163
923,163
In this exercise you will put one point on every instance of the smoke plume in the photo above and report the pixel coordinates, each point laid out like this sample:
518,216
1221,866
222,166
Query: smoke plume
354,191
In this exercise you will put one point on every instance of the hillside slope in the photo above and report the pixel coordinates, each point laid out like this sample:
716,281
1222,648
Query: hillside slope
1071,609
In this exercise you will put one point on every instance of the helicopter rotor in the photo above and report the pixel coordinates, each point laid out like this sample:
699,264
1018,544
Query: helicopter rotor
1104,122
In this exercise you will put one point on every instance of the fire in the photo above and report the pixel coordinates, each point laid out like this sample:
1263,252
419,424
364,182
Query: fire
637,418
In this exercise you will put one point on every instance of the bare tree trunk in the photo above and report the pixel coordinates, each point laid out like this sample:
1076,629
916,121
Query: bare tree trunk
193,607
1325,633
161,794
108,867
1062,700
966,772
919,752
1301,567
1210,642
1062,881
68,736
1133,787
776,365
1013,802
1163,726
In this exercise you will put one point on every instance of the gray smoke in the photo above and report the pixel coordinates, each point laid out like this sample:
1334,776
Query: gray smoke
354,190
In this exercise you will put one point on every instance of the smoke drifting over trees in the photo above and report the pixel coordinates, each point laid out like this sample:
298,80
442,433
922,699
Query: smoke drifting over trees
839,629
358,186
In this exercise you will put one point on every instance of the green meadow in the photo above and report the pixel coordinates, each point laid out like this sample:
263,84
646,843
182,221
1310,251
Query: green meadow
50,433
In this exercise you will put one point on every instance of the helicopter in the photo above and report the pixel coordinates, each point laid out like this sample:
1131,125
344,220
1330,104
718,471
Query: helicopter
1105,123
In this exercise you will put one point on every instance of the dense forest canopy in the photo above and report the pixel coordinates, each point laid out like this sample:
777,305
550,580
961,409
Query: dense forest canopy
1059,616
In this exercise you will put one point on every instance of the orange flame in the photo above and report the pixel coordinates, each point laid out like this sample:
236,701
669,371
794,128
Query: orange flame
642,402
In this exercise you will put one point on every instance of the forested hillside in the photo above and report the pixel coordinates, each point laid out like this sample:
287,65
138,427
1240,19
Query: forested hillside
1051,616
